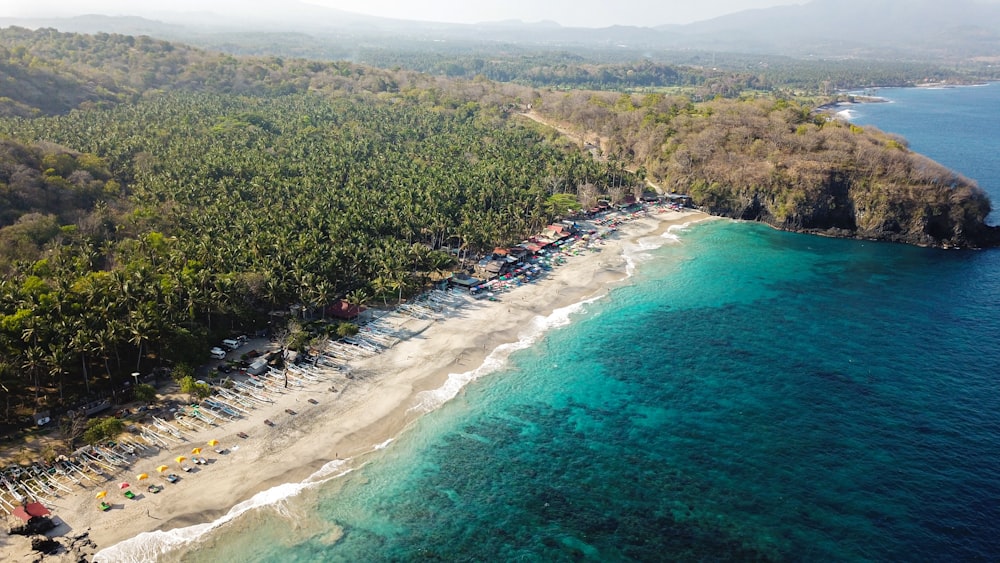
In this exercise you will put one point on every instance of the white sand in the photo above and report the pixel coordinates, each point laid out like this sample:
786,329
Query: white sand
370,409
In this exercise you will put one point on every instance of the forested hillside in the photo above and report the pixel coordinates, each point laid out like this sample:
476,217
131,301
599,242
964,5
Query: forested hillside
779,162
137,231
183,194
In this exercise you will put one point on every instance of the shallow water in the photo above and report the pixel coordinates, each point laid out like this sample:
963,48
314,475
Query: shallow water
751,395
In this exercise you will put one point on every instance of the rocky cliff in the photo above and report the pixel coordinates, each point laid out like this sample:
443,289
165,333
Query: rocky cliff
843,203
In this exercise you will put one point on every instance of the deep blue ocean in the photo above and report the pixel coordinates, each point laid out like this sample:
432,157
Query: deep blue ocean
749,395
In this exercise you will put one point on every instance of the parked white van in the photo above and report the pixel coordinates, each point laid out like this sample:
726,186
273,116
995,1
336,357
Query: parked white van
231,344
217,353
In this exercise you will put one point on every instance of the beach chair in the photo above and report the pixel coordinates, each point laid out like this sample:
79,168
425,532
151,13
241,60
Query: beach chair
104,507
129,495
172,478
154,488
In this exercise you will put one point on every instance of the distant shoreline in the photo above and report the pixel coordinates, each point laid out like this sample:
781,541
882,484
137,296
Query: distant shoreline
838,106
846,99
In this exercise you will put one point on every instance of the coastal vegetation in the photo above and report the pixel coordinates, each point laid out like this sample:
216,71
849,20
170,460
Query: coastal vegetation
157,196
780,162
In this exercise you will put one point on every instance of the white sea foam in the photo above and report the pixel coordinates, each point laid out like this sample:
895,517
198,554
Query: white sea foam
632,253
149,546
639,251
433,399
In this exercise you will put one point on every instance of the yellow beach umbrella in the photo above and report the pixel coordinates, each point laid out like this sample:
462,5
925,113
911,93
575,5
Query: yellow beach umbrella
180,459
196,451
142,476
162,468
101,494
213,443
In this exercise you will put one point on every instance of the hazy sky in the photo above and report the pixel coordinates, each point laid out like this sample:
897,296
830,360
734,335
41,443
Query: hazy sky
585,13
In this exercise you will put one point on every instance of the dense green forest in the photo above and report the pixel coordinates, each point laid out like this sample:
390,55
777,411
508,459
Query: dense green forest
156,196
139,229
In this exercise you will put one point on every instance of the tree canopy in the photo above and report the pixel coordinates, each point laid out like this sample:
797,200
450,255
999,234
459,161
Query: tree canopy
173,195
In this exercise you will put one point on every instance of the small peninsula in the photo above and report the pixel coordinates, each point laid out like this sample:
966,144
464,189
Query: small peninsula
786,164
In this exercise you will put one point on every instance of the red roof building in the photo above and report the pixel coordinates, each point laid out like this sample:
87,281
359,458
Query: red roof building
343,310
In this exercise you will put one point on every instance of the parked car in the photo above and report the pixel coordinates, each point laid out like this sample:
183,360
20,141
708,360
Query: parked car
224,368
217,353
231,344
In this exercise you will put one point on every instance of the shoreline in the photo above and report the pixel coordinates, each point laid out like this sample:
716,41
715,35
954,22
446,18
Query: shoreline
319,434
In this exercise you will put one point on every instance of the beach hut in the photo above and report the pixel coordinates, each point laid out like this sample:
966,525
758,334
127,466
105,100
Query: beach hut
464,281
343,310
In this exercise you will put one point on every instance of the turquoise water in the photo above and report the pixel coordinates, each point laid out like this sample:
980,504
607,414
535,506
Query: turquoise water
955,126
751,395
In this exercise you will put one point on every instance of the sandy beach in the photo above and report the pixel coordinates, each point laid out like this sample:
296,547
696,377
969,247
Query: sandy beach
314,425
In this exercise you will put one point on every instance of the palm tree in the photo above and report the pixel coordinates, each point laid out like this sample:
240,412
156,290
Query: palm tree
139,329
56,360
357,298
34,361
81,342
383,286
106,340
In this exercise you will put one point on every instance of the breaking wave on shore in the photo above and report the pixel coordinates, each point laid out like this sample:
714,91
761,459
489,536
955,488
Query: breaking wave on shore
632,254
151,546
639,251
433,399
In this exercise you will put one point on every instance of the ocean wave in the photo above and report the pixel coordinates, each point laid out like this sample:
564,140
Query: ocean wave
632,253
148,547
433,399
639,250
383,445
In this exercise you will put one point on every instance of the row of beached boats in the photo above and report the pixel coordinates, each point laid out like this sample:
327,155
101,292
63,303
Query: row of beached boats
384,332
45,482
234,399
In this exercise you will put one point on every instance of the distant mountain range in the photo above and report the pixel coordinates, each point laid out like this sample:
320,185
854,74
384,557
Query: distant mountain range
915,30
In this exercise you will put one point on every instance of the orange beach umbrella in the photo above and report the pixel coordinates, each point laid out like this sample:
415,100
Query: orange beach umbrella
180,459
162,468
101,494
196,451
213,443
142,476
